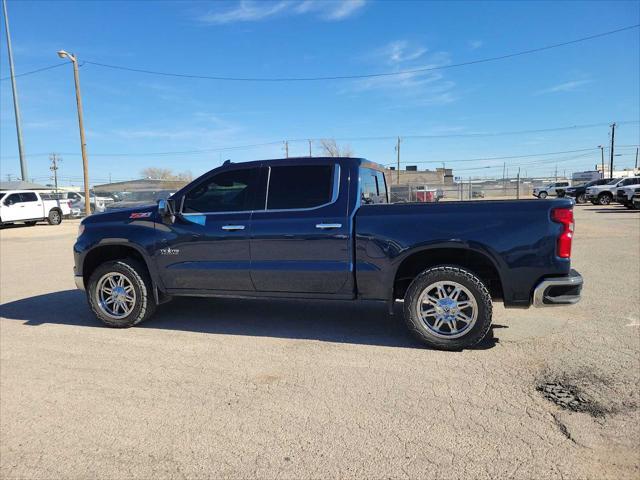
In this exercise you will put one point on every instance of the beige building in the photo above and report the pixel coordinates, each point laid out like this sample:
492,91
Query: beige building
431,178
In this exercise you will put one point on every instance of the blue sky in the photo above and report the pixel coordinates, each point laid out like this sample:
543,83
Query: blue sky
593,82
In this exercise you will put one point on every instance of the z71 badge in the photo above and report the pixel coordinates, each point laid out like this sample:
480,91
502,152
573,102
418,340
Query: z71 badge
140,215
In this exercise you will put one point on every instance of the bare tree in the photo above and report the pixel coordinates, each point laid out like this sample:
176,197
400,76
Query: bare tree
331,148
157,173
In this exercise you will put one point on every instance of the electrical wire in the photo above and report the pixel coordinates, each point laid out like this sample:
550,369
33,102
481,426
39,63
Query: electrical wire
50,67
347,77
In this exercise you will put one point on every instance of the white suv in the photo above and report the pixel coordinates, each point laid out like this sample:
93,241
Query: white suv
604,194
557,189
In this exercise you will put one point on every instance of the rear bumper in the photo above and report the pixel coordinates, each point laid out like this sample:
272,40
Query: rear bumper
558,290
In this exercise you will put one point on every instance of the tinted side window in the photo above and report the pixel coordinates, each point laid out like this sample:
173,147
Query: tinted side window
372,187
29,197
629,181
225,192
300,186
13,198
382,187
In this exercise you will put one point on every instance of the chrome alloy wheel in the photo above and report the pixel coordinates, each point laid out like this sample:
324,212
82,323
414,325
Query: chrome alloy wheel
116,295
447,309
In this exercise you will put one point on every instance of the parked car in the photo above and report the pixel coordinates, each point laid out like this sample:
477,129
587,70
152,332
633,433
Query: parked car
557,189
301,228
30,207
136,199
97,204
477,193
604,194
636,200
625,195
580,192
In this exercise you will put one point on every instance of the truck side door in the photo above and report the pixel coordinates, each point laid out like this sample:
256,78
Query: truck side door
12,208
300,242
207,247
33,205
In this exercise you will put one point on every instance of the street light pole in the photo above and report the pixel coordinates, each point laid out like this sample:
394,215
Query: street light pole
83,143
16,107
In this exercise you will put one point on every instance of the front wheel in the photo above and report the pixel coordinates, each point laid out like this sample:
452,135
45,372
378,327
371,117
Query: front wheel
604,199
448,308
542,195
582,198
120,293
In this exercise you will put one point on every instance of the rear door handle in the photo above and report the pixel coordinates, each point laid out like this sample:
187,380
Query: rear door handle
328,226
233,228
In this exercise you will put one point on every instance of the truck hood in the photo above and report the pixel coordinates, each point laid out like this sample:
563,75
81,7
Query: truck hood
123,215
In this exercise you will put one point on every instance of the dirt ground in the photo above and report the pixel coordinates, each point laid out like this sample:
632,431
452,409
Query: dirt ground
276,389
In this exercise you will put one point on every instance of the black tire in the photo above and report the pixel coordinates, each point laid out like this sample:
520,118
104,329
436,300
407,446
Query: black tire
55,217
604,198
542,195
30,223
137,275
473,284
582,198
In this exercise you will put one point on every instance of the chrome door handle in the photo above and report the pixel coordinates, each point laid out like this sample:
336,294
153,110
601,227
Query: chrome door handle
328,226
232,228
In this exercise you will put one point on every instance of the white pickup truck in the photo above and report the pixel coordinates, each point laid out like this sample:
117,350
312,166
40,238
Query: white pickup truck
30,207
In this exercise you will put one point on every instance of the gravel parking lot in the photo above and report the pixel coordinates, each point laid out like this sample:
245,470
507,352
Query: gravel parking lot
275,389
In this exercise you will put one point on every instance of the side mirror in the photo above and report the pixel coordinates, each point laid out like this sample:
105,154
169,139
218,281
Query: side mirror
167,210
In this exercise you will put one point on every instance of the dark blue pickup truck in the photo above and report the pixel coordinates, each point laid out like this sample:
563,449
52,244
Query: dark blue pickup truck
323,228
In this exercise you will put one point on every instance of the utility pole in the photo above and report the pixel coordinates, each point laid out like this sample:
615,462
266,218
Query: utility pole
518,185
9,175
556,174
310,155
613,137
398,152
83,143
286,149
504,168
14,89
54,168
636,167
602,158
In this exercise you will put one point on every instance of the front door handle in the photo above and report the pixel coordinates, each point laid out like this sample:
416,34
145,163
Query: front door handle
233,228
328,226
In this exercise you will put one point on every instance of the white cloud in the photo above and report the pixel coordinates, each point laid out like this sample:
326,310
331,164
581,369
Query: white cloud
414,82
475,44
564,87
253,11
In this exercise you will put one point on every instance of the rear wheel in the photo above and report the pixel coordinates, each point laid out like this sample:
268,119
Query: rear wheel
55,217
448,308
120,293
604,199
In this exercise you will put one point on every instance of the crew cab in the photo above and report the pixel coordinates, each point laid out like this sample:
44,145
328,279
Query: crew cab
580,192
556,189
322,228
604,194
30,207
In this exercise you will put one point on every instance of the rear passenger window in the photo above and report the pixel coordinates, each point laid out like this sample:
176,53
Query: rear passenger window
300,186
29,197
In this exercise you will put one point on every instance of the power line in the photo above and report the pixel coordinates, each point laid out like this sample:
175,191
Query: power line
370,75
38,70
352,139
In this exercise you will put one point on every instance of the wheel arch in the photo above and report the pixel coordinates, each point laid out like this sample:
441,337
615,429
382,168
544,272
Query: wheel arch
113,251
477,262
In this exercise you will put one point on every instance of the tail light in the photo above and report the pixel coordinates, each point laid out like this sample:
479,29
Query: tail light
564,216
